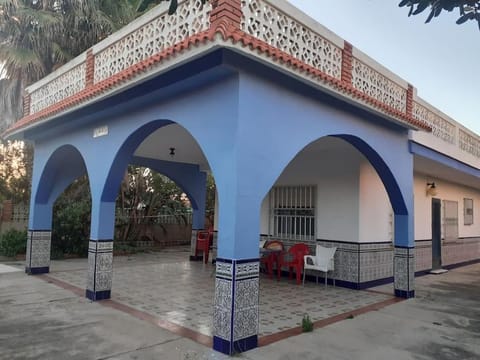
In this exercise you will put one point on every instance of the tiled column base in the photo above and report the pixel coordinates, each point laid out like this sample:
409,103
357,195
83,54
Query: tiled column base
100,269
235,318
404,272
37,260
193,245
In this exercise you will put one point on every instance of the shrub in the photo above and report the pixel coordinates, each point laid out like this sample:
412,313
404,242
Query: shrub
71,227
307,324
13,242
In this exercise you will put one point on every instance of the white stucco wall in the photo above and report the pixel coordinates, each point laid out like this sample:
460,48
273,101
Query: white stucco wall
376,215
333,167
445,191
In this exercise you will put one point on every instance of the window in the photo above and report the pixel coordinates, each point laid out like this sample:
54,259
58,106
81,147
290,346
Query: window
467,211
292,212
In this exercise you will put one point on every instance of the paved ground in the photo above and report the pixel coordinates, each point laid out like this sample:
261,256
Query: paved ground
39,320
166,285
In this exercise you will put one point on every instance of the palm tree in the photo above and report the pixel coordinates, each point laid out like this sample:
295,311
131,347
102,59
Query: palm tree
37,36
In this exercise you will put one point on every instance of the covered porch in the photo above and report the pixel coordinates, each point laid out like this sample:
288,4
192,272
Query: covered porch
165,288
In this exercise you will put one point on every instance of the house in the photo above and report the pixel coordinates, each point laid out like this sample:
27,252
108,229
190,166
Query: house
308,139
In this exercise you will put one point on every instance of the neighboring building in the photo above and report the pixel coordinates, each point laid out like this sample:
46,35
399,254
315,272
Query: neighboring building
308,139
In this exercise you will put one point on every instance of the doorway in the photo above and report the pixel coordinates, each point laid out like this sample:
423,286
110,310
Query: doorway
436,234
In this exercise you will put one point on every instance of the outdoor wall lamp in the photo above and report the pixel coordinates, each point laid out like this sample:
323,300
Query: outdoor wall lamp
431,189
172,152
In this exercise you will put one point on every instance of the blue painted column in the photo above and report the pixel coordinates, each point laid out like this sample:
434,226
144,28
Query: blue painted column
404,257
404,252
39,235
235,321
53,170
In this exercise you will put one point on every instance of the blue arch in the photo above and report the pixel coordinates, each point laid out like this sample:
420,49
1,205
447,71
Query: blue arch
184,175
64,166
391,186
124,157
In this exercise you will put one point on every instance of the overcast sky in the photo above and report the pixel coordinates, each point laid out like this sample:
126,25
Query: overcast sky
441,59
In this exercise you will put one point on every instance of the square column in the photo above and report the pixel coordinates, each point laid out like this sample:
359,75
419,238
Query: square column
235,317
100,269
37,260
404,271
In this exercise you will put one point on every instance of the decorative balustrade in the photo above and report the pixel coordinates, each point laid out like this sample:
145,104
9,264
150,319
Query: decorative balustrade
141,42
61,87
274,22
469,142
267,22
378,86
441,128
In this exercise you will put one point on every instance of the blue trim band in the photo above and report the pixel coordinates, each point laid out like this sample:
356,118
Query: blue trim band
245,344
98,295
38,270
405,294
404,247
241,261
460,264
221,345
417,149
226,347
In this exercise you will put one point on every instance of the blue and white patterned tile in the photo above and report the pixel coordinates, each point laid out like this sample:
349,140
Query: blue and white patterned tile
224,269
245,323
247,270
38,253
246,294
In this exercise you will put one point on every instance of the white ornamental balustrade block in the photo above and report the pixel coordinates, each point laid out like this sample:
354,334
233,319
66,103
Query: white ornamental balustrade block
62,87
268,23
441,128
469,143
160,33
378,86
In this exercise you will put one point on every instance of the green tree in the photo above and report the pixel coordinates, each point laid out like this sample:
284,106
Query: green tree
71,220
468,9
38,36
143,195
15,171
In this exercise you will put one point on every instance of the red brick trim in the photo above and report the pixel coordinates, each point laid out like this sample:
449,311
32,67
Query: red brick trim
226,10
347,56
409,108
90,68
26,104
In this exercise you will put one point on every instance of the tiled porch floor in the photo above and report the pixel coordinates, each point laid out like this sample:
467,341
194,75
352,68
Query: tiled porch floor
168,286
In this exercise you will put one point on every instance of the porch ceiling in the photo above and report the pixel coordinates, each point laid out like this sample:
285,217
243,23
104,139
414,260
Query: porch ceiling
157,146
438,170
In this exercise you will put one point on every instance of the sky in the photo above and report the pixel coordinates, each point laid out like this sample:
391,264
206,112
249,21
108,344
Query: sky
441,59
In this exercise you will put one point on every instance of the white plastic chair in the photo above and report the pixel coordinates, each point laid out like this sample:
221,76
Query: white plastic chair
322,261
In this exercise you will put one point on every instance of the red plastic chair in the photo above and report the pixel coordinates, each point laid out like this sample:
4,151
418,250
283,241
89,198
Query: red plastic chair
270,258
204,241
293,259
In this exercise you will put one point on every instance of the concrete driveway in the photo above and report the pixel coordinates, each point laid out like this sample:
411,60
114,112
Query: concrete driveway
39,320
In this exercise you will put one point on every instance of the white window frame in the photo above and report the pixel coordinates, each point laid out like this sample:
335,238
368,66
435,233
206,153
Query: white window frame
293,213
467,211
